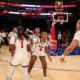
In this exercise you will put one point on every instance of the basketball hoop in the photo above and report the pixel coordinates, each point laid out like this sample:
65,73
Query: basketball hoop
60,17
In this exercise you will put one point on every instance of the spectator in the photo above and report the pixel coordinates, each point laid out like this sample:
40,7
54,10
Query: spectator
4,38
59,38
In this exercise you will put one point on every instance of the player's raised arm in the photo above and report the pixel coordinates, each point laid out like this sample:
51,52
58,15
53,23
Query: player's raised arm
74,43
69,49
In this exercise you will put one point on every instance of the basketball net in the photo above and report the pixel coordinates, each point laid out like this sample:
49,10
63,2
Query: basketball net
61,21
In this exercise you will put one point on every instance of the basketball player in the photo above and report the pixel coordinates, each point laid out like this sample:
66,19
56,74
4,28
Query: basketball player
4,38
34,40
20,53
12,33
75,43
1,39
40,51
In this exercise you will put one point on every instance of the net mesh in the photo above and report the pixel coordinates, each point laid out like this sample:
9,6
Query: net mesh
61,22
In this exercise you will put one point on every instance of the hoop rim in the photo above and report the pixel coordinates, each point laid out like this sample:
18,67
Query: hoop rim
59,20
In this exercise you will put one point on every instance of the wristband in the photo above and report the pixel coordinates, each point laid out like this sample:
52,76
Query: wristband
63,56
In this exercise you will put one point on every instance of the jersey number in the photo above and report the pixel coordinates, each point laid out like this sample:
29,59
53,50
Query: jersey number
40,48
21,44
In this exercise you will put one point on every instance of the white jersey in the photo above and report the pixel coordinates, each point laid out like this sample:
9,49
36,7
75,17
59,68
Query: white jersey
13,37
77,37
39,49
20,46
35,40
21,53
3,34
12,34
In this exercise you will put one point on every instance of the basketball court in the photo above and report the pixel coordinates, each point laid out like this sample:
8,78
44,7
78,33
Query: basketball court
56,71
24,14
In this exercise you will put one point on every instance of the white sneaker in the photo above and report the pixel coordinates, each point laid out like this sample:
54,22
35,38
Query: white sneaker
45,78
8,78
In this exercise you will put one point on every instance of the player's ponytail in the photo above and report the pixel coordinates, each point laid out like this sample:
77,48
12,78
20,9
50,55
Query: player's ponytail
21,32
